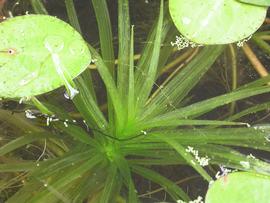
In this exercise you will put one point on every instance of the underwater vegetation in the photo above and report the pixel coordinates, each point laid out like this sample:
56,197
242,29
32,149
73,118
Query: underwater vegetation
101,123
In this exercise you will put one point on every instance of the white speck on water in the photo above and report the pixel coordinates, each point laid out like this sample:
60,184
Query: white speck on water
65,124
66,95
45,185
87,127
143,132
48,121
29,114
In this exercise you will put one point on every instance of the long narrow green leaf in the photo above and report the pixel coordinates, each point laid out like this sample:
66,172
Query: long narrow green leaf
183,122
88,101
131,86
16,167
77,133
158,162
110,183
257,83
175,192
175,91
105,32
87,106
207,105
125,172
166,50
107,48
110,86
251,110
72,16
51,167
124,49
244,137
147,51
88,81
189,158
234,159
41,107
90,186
21,141
262,44
19,122
38,7
147,78
65,179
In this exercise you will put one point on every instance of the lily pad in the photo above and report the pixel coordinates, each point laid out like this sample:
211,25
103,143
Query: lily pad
216,21
39,53
240,187
257,2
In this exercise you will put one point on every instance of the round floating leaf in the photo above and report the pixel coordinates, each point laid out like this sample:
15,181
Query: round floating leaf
216,21
240,187
39,53
257,2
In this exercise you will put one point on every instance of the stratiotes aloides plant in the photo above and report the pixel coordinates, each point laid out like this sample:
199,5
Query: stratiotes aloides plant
93,158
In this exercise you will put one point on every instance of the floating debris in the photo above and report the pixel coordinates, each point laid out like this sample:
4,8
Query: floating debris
24,99
181,42
29,114
198,200
203,161
241,43
223,172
